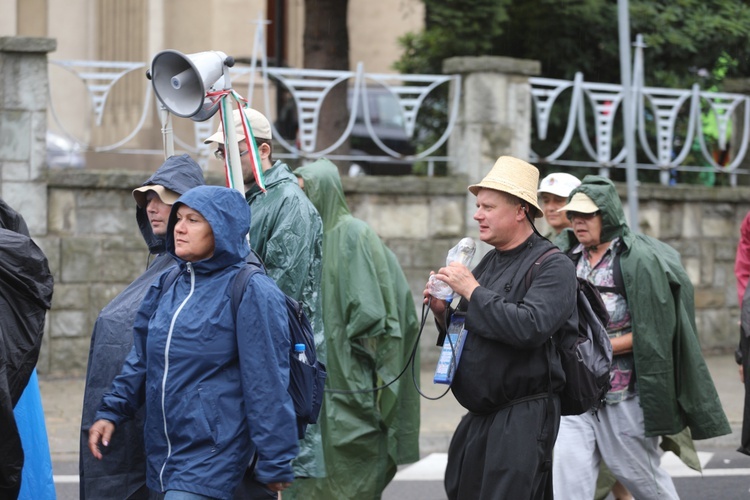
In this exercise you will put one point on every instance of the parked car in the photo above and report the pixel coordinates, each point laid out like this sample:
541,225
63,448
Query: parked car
387,124
63,152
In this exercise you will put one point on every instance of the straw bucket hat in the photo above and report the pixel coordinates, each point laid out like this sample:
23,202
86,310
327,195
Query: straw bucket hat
513,176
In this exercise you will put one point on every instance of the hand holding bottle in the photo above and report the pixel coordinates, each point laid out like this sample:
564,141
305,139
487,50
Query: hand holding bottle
463,252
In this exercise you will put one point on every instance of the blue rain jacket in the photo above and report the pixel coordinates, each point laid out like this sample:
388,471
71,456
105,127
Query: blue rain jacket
214,385
124,471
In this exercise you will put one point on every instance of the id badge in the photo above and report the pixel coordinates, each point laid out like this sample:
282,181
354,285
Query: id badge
451,352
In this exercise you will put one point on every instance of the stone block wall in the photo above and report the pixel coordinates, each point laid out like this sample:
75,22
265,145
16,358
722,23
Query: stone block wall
95,248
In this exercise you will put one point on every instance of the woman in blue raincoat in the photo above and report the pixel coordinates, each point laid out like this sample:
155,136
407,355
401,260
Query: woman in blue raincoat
214,384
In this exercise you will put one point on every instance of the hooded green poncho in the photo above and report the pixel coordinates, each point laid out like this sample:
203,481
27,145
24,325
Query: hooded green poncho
371,326
674,385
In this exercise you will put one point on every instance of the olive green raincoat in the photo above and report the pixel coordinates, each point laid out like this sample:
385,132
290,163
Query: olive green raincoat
371,326
677,393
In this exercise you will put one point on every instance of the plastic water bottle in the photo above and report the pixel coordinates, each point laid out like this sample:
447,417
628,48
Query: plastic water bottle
299,352
463,252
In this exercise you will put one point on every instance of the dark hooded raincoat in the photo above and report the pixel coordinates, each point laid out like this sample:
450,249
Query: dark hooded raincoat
287,233
123,472
370,327
214,382
674,385
25,296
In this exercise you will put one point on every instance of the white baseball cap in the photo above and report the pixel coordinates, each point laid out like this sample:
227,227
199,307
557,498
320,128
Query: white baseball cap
260,125
559,184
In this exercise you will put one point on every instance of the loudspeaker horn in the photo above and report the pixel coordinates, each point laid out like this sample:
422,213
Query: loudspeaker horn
180,81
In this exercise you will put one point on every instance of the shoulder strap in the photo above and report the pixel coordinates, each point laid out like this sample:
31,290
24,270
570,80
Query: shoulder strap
535,266
170,278
240,281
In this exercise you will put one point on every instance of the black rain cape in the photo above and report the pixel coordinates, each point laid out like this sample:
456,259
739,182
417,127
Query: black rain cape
25,296
122,472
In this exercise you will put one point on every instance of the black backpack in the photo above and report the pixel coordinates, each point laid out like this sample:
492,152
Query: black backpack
306,380
587,361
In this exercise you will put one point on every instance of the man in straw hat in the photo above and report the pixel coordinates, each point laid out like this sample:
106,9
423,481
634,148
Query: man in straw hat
660,383
502,447
287,233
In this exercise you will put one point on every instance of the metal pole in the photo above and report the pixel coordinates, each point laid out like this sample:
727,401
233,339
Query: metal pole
623,23
166,131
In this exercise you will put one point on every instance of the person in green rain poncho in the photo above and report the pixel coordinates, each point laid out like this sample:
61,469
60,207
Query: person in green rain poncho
286,233
371,326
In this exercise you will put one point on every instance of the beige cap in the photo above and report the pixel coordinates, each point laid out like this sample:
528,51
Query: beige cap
580,203
260,125
513,176
165,195
559,184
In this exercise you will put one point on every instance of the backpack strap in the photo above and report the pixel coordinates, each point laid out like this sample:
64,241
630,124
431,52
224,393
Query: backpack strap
169,279
535,266
240,281
547,464
619,285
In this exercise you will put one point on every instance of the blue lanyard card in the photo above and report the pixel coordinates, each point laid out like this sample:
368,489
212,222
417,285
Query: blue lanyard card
451,353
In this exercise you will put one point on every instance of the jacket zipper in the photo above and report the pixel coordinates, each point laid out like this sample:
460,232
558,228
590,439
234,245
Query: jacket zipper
166,371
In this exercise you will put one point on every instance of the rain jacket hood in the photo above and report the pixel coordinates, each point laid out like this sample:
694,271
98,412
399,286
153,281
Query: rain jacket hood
370,328
124,471
229,217
323,187
674,385
604,194
25,296
178,174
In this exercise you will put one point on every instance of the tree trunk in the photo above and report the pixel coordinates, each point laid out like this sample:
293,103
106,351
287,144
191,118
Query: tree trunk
326,46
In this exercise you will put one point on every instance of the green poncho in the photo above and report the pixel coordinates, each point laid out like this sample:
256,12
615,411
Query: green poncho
287,233
370,328
674,385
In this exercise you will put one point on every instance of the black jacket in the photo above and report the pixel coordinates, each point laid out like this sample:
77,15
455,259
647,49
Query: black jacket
505,354
25,296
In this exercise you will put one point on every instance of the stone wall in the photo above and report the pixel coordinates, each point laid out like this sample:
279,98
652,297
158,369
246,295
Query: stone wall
95,248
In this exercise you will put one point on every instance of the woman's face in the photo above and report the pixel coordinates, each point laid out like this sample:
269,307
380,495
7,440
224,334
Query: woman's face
193,236
551,203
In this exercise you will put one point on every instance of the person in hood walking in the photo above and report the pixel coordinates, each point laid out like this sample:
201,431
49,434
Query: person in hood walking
509,375
660,382
123,475
214,382
371,327
287,234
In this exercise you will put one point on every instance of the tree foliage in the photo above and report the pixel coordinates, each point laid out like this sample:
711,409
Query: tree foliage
687,41
685,38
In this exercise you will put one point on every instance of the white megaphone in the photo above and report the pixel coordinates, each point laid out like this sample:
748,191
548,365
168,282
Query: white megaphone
180,81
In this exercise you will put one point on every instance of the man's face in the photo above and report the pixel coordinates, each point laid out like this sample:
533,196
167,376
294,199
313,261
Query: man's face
587,228
551,203
247,168
158,213
498,218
